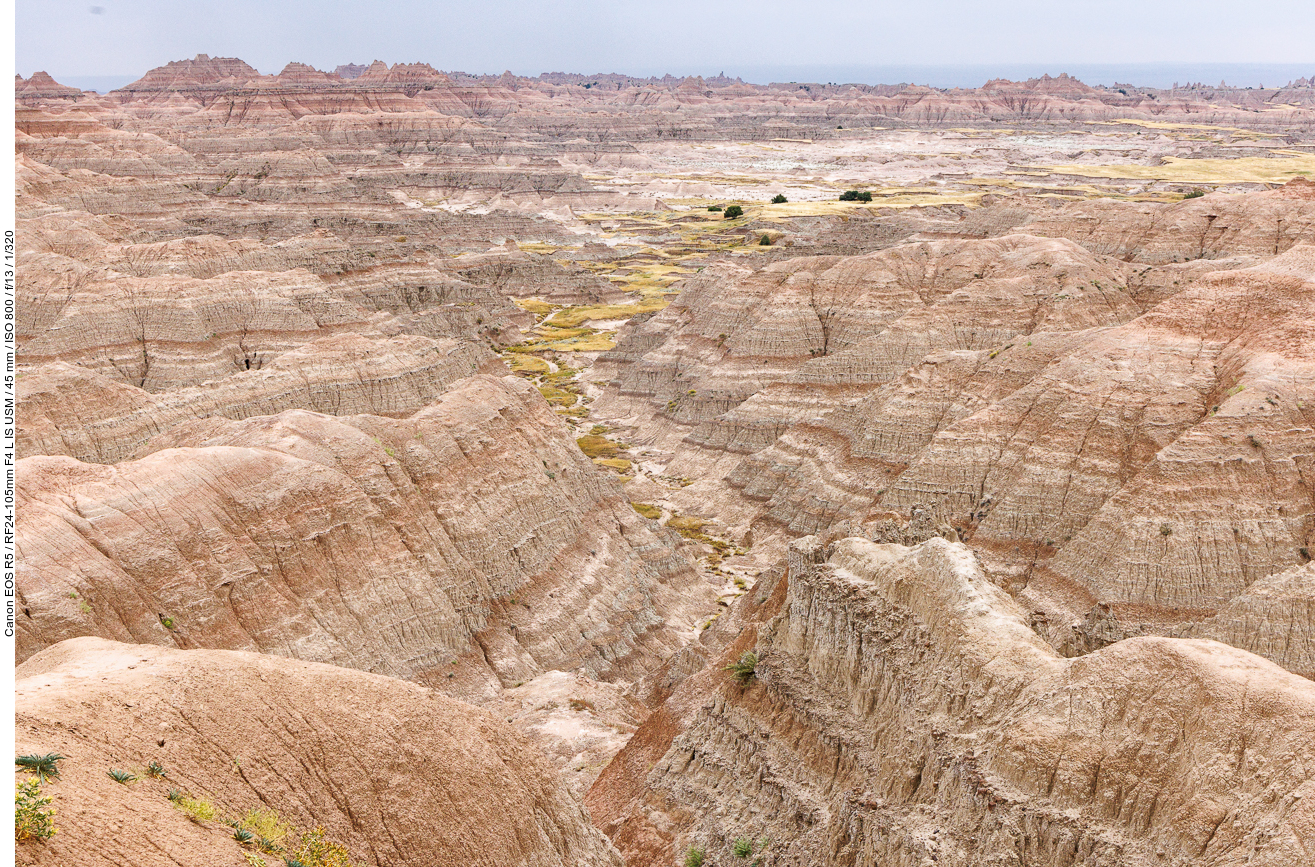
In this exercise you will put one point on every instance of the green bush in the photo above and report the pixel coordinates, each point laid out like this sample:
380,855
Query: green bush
732,212
742,848
1195,194
694,857
714,207
32,819
743,669
779,199
121,776
764,241
855,196
42,766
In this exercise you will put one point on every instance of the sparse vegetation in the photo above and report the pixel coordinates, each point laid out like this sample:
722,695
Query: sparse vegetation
742,848
196,809
694,856
733,212
595,446
648,510
315,851
267,826
43,766
155,770
744,669
1194,194
242,835
855,196
33,819
124,777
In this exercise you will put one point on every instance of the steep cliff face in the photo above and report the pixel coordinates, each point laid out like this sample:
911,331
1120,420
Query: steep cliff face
470,540
903,712
393,771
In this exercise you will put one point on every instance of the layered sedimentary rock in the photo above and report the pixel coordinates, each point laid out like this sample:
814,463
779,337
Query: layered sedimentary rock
472,539
1111,436
395,772
903,712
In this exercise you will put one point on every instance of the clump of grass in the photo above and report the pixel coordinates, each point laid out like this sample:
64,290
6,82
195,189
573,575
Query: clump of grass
33,819
742,847
196,809
694,856
315,851
267,825
648,510
597,446
119,776
744,668
43,766
155,770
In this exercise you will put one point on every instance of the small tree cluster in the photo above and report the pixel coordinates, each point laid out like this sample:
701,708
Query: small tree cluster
855,196
732,212
779,199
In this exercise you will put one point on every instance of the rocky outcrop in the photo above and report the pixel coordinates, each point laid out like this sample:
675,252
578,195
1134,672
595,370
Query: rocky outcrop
395,772
902,711
471,542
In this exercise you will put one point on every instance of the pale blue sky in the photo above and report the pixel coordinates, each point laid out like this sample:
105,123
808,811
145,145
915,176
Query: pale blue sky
759,39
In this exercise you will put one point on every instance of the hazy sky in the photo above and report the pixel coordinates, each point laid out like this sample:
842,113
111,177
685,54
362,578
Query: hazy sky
69,38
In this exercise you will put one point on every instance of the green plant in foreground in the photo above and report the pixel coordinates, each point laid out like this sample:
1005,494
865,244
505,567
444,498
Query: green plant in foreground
43,766
268,826
743,669
694,857
742,848
155,770
32,819
242,835
121,776
315,851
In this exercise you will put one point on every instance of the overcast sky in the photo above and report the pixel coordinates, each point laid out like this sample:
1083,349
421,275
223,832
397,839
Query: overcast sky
754,38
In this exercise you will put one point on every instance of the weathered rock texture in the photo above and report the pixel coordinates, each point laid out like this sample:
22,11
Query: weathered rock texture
396,772
474,531
903,712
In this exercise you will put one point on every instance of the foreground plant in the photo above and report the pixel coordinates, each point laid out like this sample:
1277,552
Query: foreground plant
119,776
43,766
32,819
743,669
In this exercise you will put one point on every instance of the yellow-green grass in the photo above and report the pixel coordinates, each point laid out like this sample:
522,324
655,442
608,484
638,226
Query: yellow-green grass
522,363
571,317
648,510
1282,167
556,397
614,463
534,305
595,446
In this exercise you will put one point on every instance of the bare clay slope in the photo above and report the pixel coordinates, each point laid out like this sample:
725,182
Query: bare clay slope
471,540
399,774
904,713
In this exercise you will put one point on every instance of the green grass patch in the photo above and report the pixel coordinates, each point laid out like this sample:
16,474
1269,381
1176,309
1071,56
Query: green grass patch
648,510
596,446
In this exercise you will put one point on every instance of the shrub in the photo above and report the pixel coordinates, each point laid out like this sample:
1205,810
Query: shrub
121,776
1194,194
779,199
743,668
242,835
315,851
43,766
742,848
855,196
732,212
714,207
155,770
764,241
694,857
32,819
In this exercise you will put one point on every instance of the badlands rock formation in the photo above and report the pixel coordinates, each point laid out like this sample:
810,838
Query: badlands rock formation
395,772
332,378
904,712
